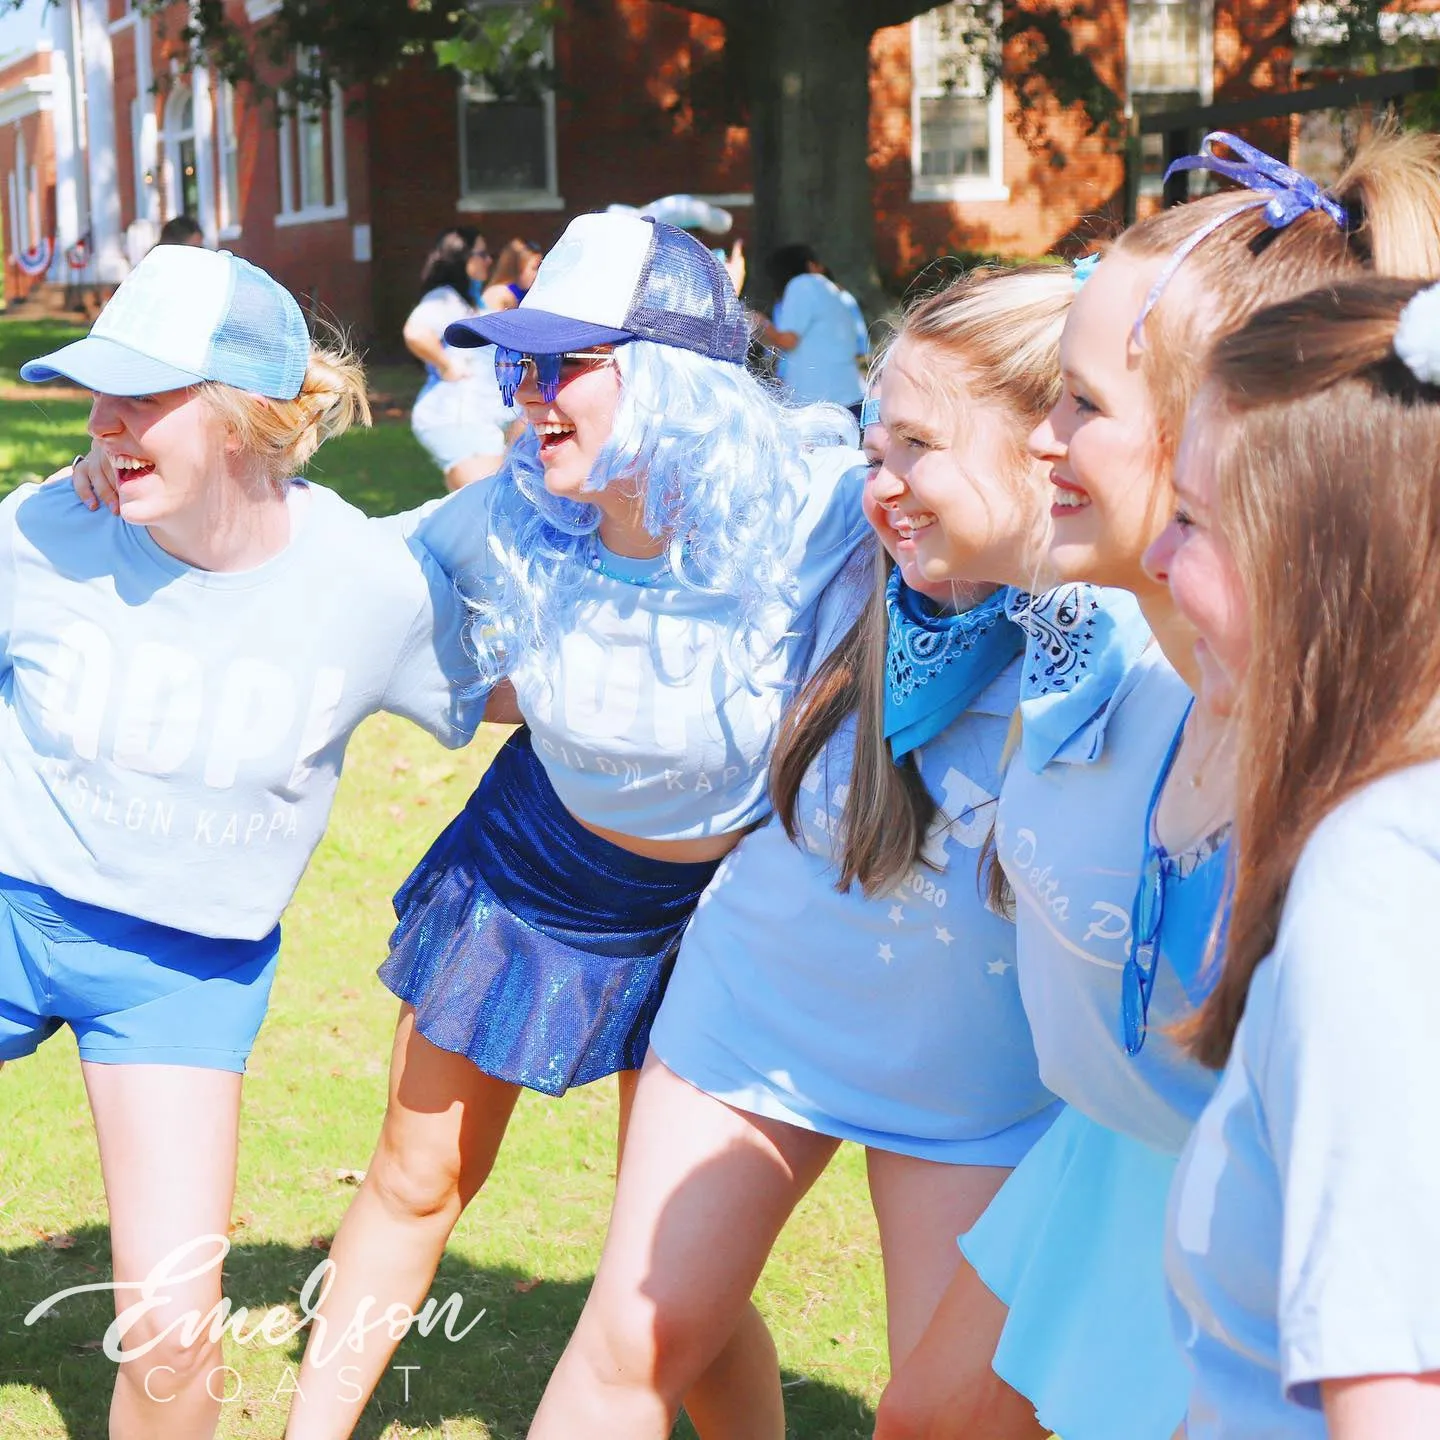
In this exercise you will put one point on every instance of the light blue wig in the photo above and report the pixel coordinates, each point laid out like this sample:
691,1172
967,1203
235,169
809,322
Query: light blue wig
719,460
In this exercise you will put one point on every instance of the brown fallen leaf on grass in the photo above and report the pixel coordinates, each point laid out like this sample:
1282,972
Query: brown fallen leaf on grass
349,1177
319,1242
57,1242
524,1287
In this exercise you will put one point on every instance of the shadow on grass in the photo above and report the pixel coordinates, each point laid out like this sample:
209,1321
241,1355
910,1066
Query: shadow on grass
494,1375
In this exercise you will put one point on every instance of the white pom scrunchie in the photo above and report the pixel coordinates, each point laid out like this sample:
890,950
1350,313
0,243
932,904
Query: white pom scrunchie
1417,337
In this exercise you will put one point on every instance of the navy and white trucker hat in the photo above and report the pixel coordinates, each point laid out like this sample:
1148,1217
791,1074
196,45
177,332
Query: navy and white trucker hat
614,278
183,316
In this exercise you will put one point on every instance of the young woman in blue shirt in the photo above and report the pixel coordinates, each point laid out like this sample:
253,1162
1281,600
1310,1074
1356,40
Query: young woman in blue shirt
1118,863
177,690
843,978
1303,1244
645,571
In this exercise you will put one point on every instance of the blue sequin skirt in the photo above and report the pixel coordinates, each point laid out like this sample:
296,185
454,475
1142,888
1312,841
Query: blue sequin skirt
529,945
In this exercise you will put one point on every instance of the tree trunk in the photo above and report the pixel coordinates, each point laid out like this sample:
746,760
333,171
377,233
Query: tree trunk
808,65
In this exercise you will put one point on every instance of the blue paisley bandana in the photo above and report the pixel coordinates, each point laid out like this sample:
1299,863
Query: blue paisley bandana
1080,642
936,663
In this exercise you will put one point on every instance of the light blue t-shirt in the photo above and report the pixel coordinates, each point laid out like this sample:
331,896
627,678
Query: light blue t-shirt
895,1021
1071,839
1304,1234
171,738
641,724
822,366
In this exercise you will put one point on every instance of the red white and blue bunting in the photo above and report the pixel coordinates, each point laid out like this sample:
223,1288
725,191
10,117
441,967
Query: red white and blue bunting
36,260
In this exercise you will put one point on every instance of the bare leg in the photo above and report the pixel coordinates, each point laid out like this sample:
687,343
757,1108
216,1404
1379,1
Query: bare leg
946,1389
442,1130
703,1193
746,1373
168,1137
920,1207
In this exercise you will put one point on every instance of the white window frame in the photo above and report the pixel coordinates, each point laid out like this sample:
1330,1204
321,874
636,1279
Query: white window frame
959,187
227,143
1153,184
137,143
478,93
294,209
172,136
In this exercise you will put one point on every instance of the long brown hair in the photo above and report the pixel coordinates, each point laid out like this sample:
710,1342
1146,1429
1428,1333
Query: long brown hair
1327,460
998,333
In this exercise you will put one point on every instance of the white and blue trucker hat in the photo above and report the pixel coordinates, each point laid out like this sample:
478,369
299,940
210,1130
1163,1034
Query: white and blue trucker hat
183,316
614,278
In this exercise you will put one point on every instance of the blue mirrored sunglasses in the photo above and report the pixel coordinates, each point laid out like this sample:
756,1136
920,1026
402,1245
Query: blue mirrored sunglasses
510,366
1138,979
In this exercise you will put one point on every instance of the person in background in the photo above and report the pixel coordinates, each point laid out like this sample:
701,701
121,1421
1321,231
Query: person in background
181,230
458,416
514,274
817,329
478,267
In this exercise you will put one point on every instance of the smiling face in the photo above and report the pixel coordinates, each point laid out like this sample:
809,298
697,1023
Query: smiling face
1193,556
947,501
168,452
575,426
1110,499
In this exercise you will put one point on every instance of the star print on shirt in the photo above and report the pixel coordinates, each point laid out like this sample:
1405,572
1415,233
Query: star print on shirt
998,967
886,954
897,914
943,935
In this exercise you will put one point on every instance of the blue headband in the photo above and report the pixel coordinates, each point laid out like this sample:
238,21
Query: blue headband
1084,268
870,411
1285,196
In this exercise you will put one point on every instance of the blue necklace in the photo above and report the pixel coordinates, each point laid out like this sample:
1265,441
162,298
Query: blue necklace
626,569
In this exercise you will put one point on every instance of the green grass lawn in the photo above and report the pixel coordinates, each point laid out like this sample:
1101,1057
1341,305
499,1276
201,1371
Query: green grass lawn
526,1250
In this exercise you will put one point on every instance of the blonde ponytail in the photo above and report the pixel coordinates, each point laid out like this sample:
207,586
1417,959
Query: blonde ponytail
280,436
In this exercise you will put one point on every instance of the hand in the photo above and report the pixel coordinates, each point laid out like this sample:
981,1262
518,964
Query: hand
94,481
735,266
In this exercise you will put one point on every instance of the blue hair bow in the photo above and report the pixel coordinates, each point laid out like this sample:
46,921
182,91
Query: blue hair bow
1291,193
1084,268
1285,194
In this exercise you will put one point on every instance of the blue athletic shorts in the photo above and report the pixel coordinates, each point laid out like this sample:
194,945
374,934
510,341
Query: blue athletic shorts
134,993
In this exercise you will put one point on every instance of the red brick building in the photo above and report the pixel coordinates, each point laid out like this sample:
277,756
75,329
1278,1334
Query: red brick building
342,204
